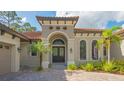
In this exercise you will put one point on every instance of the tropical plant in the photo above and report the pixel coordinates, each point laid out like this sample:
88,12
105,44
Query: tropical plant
107,38
108,67
40,47
97,66
72,67
82,66
89,67
121,70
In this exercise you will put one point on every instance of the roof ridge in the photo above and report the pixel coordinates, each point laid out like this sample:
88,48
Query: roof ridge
57,16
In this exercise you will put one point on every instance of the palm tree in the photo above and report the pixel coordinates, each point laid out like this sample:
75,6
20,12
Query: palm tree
40,47
107,38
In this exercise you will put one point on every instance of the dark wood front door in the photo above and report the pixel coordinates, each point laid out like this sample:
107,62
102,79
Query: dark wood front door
58,54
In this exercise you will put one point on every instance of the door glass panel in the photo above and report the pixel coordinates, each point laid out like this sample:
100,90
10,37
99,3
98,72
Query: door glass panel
55,51
61,52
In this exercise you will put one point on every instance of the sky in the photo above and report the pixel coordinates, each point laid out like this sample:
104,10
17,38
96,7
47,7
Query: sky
30,16
87,19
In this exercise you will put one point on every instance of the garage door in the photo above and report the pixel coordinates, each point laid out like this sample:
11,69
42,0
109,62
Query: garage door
5,59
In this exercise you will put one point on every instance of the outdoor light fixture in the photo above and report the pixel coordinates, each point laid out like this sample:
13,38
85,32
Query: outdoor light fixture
19,50
1,46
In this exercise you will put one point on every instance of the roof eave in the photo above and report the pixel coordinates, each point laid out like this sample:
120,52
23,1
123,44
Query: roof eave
10,31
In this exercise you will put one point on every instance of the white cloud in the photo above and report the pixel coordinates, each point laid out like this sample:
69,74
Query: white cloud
122,26
98,19
24,19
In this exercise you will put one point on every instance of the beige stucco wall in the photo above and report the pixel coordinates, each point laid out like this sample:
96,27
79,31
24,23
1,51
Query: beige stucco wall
88,40
26,58
117,51
46,31
15,55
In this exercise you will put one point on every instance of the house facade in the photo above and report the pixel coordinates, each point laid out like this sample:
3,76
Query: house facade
69,45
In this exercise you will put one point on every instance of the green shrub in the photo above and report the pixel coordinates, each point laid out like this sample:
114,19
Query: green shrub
82,66
121,70
115,69
119,62
108,67
72,67
89,67
97,66
104,61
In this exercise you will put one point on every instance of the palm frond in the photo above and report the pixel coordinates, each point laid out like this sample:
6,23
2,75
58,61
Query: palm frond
116,39
114,28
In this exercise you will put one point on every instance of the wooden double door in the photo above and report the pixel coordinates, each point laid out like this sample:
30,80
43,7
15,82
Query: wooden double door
58,54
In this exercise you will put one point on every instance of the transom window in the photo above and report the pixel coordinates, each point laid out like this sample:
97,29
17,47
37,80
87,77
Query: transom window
83,50
58,42
94,50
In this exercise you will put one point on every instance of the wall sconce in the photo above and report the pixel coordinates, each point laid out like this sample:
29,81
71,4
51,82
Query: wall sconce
1,46
19,50
70,50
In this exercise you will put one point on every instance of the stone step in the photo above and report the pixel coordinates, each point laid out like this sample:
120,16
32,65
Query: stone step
58,66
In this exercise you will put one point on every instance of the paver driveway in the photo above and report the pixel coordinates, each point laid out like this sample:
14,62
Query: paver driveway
59,75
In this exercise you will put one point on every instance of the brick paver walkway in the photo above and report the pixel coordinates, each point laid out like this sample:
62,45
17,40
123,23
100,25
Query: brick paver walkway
60,75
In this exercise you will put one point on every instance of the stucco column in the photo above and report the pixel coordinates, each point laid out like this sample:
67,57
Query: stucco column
88,47
15,59
101,53
70,52
45,57
89,50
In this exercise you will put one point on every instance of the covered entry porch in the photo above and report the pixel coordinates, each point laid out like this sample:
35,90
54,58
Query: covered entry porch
61,50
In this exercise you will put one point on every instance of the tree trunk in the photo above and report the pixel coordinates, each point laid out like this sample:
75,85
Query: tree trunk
109,51
99,54
40,59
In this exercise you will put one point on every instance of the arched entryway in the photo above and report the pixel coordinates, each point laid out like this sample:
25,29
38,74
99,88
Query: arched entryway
58,41
58,51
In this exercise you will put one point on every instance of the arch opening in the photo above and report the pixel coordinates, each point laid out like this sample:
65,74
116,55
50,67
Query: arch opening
58,43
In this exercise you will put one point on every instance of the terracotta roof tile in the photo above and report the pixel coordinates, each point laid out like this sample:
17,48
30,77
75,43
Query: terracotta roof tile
57,18
33,35
119,32
6,29
38,35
